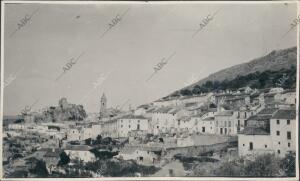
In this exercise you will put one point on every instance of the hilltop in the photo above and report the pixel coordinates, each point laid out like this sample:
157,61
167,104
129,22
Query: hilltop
279,64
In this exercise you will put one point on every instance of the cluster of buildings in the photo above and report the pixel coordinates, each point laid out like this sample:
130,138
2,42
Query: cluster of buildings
263,121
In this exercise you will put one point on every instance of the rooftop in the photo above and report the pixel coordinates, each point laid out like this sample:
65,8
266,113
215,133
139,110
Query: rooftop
209,119
130,116
260,117
254,131
78,147
268,111
225,113
285,114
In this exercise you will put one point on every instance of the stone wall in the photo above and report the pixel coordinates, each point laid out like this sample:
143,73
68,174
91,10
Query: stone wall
198,150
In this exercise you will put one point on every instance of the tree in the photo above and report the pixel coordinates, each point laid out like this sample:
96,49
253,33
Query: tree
186,92
64,159
99,137
288,164
103,154
196,89
88,141
230,169
263,166
40,169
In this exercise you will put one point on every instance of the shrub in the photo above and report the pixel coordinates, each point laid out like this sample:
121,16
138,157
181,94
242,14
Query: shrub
288,164
64,159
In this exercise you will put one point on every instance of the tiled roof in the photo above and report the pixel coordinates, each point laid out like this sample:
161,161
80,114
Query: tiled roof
199,115
235,98
164,110
130,116
225,113
260,117
212,110
268,111
254,131
209,119
174,110
78,147
285,114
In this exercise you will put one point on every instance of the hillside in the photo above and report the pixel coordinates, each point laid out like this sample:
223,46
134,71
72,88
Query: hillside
276,62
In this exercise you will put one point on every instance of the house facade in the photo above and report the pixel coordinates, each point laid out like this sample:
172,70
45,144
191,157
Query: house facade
283,131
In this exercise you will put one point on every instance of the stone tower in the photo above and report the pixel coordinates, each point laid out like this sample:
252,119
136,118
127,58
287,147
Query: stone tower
103,106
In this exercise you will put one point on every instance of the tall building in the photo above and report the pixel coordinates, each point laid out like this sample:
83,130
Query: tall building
103,106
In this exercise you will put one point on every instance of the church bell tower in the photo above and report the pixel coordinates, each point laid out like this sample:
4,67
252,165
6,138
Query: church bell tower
103,106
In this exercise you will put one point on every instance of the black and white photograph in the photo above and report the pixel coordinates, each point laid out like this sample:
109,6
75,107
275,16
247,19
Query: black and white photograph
149,90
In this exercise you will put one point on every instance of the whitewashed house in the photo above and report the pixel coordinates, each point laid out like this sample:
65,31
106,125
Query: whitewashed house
225,123
283,131
207,125
80,152
253,141
129,123
109,128
163,120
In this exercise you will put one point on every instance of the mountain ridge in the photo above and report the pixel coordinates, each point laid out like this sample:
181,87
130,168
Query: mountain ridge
275,60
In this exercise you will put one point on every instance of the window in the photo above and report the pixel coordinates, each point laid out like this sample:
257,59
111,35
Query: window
243,144
203,129
225,123
278,151
229,123
138,127
251,146
121,126
278,121
129,126
221,130
289,144
277,133
266,146
279,142
289,135
216,123
245,115
225,130
288,121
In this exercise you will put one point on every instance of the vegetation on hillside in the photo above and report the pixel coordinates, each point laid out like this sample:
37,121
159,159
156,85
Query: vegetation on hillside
285,78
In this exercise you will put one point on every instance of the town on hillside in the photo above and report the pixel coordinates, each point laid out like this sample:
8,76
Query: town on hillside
210,134
149,90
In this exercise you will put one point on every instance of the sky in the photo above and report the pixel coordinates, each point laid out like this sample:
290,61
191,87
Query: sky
117,59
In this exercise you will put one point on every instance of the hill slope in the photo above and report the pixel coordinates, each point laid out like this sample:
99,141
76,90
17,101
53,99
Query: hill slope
275,61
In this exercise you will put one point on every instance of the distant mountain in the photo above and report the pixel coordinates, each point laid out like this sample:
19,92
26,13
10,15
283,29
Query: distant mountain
277,60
